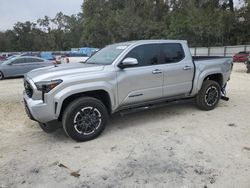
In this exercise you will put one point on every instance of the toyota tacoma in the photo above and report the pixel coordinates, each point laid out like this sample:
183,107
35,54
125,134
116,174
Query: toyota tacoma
122,77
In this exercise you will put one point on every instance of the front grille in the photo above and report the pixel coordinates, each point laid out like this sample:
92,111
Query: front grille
28,89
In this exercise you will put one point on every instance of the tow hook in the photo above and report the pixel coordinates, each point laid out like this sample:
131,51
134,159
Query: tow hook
223,94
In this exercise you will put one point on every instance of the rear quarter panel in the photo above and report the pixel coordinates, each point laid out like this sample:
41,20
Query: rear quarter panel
205,68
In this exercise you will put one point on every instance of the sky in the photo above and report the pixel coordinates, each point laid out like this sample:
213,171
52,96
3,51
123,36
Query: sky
12,11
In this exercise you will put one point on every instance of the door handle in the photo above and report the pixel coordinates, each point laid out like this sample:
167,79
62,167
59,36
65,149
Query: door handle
157,71
187,68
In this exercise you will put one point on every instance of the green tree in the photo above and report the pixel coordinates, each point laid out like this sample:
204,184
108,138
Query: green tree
101,22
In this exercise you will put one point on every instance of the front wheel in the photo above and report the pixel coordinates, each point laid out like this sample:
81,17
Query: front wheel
85,119
1,76
209,95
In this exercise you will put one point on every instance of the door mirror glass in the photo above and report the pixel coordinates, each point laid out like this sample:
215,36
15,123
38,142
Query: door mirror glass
128,62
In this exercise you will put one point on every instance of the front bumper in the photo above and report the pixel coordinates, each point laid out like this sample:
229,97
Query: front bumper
27,110
37,110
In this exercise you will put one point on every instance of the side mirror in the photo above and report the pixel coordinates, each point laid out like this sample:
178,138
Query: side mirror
128,62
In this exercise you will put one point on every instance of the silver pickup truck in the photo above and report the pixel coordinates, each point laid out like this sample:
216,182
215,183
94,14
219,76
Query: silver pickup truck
122,77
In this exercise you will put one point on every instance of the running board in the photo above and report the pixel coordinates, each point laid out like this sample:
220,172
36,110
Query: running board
150,106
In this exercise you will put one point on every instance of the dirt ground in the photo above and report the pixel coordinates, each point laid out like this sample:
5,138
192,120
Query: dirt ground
173,146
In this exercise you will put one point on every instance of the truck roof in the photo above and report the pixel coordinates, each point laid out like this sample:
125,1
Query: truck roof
151,41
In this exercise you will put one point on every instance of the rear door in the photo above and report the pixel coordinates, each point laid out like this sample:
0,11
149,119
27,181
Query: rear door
143,82
35,63
30,64
178,70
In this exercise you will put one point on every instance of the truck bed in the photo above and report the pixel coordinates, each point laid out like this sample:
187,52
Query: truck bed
206,65
201,58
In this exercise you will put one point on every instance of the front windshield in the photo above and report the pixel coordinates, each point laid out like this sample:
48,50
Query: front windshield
107,55
10,60
7,62
11,57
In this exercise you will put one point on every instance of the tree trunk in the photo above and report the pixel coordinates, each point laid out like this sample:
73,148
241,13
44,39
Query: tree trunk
231,5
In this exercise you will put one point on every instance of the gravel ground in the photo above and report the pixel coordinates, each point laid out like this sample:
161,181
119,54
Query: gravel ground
173,146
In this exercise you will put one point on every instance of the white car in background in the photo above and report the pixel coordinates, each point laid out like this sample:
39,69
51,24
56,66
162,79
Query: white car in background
73,58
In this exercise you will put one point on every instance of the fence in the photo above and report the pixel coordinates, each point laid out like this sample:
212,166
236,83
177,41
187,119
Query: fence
219,51
205,51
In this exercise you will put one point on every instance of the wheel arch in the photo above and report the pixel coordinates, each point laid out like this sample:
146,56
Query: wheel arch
100,94
215,76
3,74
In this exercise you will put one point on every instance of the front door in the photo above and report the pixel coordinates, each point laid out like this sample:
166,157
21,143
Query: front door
33,63
17,67
143,82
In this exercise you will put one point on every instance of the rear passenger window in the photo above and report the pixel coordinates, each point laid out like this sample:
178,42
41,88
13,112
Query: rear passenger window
171,53
146,55
32,60
28,60
37,60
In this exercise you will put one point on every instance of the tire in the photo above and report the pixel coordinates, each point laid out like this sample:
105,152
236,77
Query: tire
209,95
49,127
1,76
248,67
85,119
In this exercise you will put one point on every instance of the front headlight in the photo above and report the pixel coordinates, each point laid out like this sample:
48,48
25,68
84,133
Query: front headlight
47,86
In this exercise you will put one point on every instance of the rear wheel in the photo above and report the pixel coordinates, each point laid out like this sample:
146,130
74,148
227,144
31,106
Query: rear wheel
1,76
209,95
85,119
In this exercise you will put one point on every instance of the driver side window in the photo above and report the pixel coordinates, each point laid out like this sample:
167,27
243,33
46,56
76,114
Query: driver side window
18,61
146,55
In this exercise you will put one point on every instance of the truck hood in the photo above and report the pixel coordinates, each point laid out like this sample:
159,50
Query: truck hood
62,71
